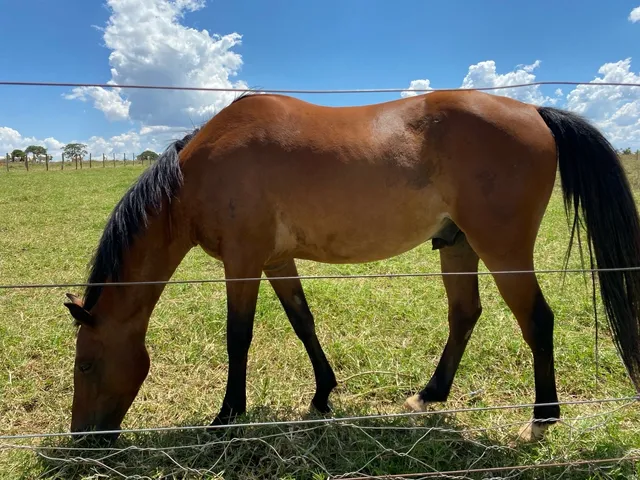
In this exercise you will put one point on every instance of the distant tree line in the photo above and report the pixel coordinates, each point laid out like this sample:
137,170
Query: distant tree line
70,151
627,151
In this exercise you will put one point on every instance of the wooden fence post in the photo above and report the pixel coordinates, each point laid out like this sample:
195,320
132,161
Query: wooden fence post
76,162
89,160
62,163
46,161
114,160
6,161
103,160
26,162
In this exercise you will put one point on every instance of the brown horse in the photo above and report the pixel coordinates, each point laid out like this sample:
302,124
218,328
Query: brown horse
271,178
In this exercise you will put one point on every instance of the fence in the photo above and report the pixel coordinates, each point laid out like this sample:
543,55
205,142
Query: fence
439,443
419,445
76,163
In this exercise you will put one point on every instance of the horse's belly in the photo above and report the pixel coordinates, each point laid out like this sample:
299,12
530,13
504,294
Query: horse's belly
358,237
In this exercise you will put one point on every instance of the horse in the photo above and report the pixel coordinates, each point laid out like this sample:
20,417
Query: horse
270,179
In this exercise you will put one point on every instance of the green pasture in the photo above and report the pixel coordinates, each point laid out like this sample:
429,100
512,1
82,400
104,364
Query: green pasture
382,336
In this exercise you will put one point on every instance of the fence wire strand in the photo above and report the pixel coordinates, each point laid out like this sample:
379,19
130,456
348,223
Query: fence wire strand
308,91
315,277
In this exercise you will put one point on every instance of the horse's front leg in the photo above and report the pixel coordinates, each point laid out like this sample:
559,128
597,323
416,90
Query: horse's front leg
242,297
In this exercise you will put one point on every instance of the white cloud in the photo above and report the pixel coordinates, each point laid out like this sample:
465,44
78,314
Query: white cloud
417,85
634,16
532,67
149,45
109,101
614,109
485,74
155,138
11,139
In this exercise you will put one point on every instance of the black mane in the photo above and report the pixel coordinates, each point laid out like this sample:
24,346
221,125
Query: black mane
162,180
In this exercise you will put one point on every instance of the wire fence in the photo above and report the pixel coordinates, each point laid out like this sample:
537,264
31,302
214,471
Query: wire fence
424,447
435,443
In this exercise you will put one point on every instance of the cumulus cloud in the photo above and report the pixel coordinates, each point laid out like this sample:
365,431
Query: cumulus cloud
485,74
416,85
154,138
615,109
108,101
149,45
11,139
634,16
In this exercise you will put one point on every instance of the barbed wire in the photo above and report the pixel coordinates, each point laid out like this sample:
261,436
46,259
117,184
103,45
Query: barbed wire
308,91
314,277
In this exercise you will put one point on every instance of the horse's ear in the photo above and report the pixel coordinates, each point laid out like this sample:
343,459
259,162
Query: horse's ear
78,312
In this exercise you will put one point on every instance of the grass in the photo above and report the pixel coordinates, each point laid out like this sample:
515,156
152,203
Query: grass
382,336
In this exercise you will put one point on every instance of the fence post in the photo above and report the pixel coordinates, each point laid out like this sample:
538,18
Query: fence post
114,160
26,161
103,160
62,163
124,159
89,160
6,161
46,161
76,156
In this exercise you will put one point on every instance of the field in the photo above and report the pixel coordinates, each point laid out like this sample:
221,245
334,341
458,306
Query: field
382,336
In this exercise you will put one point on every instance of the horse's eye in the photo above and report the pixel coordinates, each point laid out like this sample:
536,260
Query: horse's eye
84,367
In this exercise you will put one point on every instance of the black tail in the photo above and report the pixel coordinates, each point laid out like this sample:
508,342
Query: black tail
595,187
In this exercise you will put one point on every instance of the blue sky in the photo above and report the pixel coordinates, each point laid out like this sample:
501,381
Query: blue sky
295,44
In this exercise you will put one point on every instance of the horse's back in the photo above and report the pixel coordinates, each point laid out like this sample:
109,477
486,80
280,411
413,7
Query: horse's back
353,184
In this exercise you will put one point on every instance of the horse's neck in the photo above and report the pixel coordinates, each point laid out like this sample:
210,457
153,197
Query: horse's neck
153,257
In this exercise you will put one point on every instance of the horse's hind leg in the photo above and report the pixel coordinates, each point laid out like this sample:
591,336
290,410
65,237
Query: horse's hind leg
292,298
525,299
464,311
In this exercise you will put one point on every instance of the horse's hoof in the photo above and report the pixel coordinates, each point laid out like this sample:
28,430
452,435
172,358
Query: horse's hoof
323,408
225,417
415,404
532,432
218,421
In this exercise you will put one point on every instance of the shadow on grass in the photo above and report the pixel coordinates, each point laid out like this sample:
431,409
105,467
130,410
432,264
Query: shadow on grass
433,443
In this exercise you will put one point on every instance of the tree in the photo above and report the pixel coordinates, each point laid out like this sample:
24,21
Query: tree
17,155
148,155
626,151
73,150
35,150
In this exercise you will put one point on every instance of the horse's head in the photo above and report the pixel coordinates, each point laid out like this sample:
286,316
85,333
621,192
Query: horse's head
110,365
